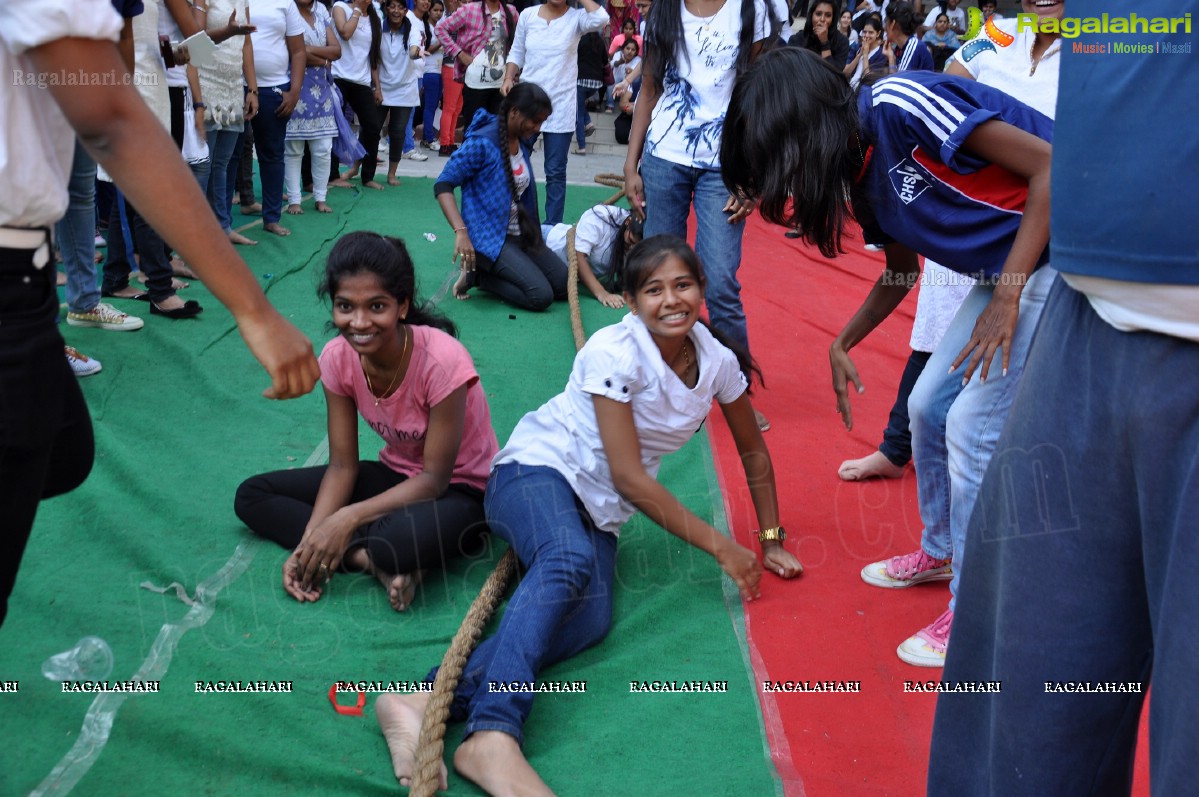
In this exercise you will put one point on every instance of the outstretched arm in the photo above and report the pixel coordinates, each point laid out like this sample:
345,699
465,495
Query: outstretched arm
623,450
900,275
1022,154
759,477
123,135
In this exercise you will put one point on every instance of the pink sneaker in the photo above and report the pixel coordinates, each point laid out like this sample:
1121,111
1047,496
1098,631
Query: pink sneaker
904,571
927,647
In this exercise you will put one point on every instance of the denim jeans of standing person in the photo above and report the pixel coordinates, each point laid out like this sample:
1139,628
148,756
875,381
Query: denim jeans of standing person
528,278
151,251
670,190
1082,570
562,606
76,234
222,144
557,150
897,437
241,177
431,93
270,131
955,428
582,116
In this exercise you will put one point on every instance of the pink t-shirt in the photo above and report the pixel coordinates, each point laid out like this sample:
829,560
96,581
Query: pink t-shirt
439,365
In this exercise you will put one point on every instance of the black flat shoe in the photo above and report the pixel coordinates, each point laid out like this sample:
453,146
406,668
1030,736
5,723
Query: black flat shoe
447,151
190,309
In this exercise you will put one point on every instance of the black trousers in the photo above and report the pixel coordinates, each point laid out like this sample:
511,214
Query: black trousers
370,121
278,506
46,444
474,99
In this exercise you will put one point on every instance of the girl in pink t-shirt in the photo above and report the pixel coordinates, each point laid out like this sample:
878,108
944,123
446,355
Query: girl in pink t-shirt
398,365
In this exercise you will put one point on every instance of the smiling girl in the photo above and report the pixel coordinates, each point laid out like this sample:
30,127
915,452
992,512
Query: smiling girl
639,390
397,365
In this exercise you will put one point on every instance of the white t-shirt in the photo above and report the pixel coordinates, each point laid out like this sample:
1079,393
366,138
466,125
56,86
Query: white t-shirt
399,74
486,71
619,70
274,20
354,64
595,236
688,119
520,176
1010,68
37,146
1134,306
548,54
433,60
621,362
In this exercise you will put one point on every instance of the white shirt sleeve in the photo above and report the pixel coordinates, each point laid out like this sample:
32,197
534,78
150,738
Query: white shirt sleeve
295,23
590,21
608,372
25,24
517,54
590,232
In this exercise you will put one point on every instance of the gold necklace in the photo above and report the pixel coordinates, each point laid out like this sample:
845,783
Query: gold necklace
395,376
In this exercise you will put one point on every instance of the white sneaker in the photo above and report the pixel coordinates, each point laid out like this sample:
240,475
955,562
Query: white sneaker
432,146
415,154
81,364
105,316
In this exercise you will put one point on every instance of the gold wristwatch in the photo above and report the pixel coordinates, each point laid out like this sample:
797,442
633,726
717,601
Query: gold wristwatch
777,533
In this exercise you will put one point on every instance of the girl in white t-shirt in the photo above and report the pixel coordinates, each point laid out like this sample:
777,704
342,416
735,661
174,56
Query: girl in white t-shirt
398,365
694,51
638,390
400,69
602,237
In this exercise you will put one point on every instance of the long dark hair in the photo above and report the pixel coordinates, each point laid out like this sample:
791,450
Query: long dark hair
405,24
808,34
787,136
664,35
388,259
531,101
611,215
903,15
645,258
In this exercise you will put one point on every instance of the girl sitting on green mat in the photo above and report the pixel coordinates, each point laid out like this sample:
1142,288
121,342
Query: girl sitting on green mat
397,364
573,472
602,236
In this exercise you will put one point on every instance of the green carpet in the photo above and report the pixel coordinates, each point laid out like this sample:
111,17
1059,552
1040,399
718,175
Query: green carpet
179,424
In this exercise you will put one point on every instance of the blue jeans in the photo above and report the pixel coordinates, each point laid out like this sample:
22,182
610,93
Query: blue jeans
1085,571
562,606
528,278
897,437
557,149
269,133
582,116
670,190
431,96
955,429
76,234
221,146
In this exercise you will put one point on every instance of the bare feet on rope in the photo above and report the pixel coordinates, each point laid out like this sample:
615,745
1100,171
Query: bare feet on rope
373,184
874,466
295,210
276,228
400,717
493,761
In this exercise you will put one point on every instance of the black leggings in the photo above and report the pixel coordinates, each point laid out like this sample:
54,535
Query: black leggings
370,120
474,99
397,126
278,506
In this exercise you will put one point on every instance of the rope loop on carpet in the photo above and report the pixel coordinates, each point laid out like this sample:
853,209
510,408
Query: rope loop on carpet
430,744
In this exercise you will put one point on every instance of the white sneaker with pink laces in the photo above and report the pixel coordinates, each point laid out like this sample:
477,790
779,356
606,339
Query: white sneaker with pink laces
926,648
907,570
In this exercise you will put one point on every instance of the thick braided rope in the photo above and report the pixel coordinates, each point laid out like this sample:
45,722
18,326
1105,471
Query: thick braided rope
572,290
612,181
430,744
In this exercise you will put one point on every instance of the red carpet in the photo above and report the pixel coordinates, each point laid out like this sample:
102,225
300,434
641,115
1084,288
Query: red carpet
829,625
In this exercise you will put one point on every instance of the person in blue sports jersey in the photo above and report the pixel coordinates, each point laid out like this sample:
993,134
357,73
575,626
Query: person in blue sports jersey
936,165
911,53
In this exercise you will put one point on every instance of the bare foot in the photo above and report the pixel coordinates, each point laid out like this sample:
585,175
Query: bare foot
323,207
295,210
400,717
372,184
170,303
401,589
340,182
241,240
251,210
874,466
393,180
176,283
181,269
493,761
276,228
129,292
462,286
